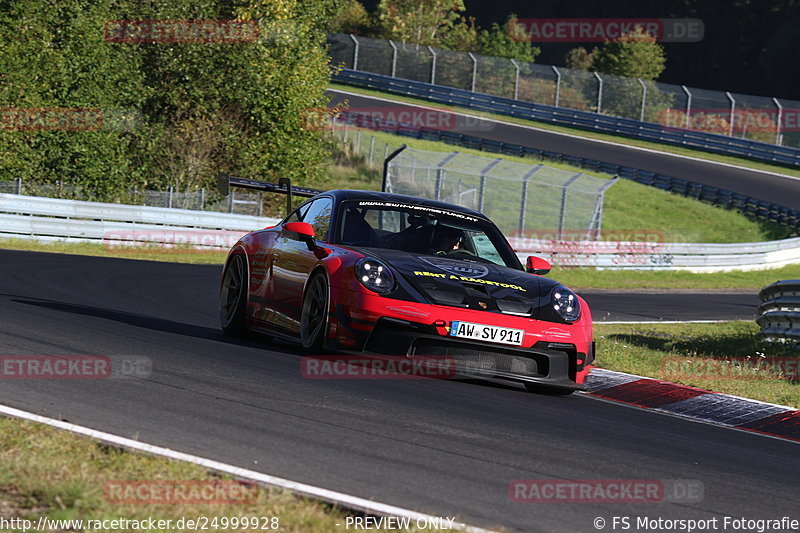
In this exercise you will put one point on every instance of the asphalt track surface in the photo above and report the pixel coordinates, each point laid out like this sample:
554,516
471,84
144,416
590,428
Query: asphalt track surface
443,447
764,186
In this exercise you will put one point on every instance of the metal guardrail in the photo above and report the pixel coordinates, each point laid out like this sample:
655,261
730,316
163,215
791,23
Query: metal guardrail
748,205
646,131
779,312
117,224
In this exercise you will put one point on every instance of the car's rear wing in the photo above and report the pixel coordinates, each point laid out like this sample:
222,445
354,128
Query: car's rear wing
284,186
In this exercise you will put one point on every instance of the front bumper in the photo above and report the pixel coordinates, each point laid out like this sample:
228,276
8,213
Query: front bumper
556,364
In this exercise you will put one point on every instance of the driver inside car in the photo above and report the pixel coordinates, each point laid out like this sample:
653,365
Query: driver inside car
446,239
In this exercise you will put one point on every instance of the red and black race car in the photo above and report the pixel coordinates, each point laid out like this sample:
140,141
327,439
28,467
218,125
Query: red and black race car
360,271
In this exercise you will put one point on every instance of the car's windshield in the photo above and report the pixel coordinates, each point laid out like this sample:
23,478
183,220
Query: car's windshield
423,230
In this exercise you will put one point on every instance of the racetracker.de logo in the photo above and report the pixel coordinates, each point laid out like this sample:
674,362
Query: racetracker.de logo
216,492
576,30
180,31
74,367
376,367
738,368
605,491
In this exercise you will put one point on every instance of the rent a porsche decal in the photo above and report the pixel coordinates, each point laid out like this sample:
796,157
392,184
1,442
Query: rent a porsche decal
472,280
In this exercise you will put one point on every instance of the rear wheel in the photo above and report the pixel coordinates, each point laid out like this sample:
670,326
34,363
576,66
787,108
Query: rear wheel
314,315
548,389
233,298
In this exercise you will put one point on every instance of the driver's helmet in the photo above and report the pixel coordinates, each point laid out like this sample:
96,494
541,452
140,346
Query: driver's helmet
446,239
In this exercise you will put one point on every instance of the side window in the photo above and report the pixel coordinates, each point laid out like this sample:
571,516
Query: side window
319,216
297,214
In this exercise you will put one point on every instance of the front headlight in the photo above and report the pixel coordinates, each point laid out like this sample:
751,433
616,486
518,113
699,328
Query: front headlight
566,304
374,275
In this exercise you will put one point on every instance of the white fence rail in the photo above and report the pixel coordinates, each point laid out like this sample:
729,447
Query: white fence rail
34,217
663,256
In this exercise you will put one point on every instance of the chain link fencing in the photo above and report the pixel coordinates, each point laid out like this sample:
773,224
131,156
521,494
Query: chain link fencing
756,118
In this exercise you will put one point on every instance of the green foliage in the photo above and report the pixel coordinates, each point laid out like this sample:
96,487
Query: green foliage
509,41
197,108
423,22
636,55
579,58
350,17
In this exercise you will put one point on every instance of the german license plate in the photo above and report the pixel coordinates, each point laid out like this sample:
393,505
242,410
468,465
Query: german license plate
482,332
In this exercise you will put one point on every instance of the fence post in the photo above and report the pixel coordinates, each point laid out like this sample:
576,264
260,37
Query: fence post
261,203
358,143
18,187
202,199
437,190
394,57
733,112
599,91
558,84
169,196
644,98
433,65
523,206
482,186
562,212
230,201
355,52
778,139
688,105
516,79
474,69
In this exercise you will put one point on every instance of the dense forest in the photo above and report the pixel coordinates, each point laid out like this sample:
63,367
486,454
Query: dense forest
750,46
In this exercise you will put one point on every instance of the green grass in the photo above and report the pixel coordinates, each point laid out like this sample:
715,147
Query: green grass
177,254
718,357
591,278
53,473
731,160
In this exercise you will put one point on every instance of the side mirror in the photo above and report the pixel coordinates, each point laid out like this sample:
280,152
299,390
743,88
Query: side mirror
302,231
537,265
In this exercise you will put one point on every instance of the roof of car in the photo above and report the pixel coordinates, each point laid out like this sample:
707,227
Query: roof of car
350,194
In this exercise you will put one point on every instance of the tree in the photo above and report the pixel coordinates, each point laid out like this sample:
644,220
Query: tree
422,22
509,41
350,17
635,55
579,58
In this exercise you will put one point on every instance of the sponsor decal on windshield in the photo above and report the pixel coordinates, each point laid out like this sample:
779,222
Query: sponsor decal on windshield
465,278
420,208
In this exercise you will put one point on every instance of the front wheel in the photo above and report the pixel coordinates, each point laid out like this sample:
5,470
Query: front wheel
314,314
233,298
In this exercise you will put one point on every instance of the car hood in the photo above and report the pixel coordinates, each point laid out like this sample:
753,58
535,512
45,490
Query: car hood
468,284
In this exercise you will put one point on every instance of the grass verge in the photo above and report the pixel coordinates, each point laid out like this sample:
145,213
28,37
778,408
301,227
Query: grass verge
731,160
45,472
592,278
720,357
176,254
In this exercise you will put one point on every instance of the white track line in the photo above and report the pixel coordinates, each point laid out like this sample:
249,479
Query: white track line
574,136
346,500
665,321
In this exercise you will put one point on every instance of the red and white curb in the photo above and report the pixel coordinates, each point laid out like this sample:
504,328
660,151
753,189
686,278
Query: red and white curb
695,404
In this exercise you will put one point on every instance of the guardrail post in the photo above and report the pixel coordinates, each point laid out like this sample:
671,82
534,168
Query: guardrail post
394,57
516,79
599,91
482,182
778,135
169,196
474,69
433,65
18,185
437,190
688,105
523,206
355,51
558,84
644,98
562,212
733,112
